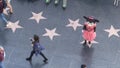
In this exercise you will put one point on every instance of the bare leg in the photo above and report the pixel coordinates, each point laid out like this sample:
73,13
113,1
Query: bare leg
56,2
114,2
47,1
117,2
64,4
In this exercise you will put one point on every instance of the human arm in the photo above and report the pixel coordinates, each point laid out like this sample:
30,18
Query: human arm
9,6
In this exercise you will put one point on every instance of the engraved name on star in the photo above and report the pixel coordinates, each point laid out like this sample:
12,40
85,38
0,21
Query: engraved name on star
37,17
13,26
112,31
74,24
51,33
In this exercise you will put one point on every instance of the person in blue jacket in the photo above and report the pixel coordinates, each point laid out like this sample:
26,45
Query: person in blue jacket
37,49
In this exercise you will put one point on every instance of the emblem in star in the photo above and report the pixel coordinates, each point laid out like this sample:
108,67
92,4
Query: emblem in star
51,33
74,24
13,26
112,31
37,17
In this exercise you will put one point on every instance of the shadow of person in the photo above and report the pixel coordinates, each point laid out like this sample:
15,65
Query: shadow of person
87,54
31,64
37,65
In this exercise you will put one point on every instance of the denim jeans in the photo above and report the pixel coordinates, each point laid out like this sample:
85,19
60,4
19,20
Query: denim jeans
1,65
2,16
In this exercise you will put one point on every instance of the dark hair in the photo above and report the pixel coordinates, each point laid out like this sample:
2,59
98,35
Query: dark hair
83,66
90,20
36,38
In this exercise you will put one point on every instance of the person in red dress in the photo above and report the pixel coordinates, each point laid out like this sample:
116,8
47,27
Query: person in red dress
2,56
89,30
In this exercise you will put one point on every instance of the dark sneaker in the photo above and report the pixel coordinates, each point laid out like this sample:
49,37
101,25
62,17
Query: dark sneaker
45,61
28,59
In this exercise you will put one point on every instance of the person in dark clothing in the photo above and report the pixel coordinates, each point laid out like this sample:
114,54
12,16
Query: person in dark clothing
37,49
83,66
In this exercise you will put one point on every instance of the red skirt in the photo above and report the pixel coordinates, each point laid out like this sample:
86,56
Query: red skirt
89,36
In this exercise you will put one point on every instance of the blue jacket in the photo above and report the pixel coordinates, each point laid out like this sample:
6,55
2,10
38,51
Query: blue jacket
37,48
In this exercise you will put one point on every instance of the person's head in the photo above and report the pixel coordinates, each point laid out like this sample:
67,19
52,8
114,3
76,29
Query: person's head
36,38
91,19
83,66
